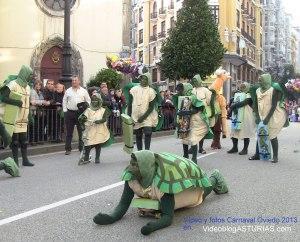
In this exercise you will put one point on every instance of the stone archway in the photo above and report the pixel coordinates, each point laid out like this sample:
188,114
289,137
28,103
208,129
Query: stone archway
43,47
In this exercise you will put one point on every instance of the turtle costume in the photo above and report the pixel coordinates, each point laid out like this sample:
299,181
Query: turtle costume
8,164
142,107
95,131
205,95
242,119
173,181
199,123
221,120
19,86
269,112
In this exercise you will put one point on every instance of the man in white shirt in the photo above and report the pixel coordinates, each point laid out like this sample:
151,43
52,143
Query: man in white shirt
74,95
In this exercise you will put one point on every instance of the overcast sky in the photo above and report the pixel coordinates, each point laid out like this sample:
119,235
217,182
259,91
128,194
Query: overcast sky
292,7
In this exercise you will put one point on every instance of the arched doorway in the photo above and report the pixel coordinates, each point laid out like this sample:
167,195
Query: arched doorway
51,64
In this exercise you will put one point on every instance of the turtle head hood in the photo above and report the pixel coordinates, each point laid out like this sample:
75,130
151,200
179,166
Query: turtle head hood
245,87
196,81
265,82
96,101
142,165
145,79
25,76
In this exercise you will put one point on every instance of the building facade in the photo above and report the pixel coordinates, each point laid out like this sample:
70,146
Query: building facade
32,34
240,24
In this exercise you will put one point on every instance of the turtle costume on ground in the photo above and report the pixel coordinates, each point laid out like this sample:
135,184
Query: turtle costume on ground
142,107
96,133
199,123
269,112
19,87
242,119
8,164
221,120
205,95
173,181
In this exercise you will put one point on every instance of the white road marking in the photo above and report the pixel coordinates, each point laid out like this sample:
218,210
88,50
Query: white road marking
68,200
57,204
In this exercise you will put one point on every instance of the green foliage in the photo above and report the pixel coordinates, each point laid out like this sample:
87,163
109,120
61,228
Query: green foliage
194,45
111,77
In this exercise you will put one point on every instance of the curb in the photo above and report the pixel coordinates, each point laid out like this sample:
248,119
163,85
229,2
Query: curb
52,148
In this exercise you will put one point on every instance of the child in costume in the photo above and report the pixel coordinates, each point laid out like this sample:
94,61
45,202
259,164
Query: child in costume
142,109
172,180
270,112
20,86
242,119
96,133
205,95
221,120
199,123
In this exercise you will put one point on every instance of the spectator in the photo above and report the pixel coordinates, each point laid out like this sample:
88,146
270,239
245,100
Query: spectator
120,99
74,96
93,90
168,110
105,95
37,129
59,95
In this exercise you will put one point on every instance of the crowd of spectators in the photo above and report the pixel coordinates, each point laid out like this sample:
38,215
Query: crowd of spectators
294,111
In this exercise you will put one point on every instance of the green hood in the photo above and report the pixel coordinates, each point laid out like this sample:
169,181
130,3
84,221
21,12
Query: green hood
96,102
145,79
265,81
24,76
245,87
145,160
196,81
187,89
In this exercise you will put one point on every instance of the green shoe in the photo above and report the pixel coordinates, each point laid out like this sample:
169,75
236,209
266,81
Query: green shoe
10,167
220,186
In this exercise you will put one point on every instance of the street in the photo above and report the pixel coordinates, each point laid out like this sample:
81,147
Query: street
260,190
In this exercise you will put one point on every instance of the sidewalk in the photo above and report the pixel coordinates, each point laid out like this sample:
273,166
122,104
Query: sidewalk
51,148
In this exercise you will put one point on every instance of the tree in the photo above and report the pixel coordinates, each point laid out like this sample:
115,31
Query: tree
194,45
111,77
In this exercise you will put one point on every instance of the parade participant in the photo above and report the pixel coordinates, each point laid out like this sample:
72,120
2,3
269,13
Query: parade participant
193,124
141,107
21,87
221,120
270,112
147,176
204,94
243,121
74,103
96,133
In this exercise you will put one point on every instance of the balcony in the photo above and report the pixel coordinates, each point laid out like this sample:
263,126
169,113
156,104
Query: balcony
162,34
248,36
153,38
162,12
153,16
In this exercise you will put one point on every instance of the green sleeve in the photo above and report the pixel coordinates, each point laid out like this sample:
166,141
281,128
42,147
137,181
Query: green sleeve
149,110
129,109
275,99
247,101
82,119
4,92
212,103
105,116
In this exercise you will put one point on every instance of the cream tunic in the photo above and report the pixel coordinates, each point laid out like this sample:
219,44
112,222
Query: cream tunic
248,125
142,96
188,198
22,119
279,117
95,133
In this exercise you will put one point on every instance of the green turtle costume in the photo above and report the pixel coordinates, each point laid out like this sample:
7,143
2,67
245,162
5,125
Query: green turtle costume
269,109
16,92
95,131
199,127
242,119
167,180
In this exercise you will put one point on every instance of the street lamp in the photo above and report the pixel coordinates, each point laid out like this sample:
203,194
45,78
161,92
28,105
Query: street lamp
66,77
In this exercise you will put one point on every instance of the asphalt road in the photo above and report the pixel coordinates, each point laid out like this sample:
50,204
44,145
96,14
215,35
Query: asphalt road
259,190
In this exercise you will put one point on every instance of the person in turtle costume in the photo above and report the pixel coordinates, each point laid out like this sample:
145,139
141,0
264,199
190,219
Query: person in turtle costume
205,95
242,119
8,164
270,112
199,123
20,86
142,109
174,181
96,133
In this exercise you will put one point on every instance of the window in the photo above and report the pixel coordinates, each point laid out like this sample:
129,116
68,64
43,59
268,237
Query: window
261,40
238,45
238,18
247,29
141,56
154,30
261,19
154,51
172,22
252,33
154,75
140,36
215,12
243,26
141,14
